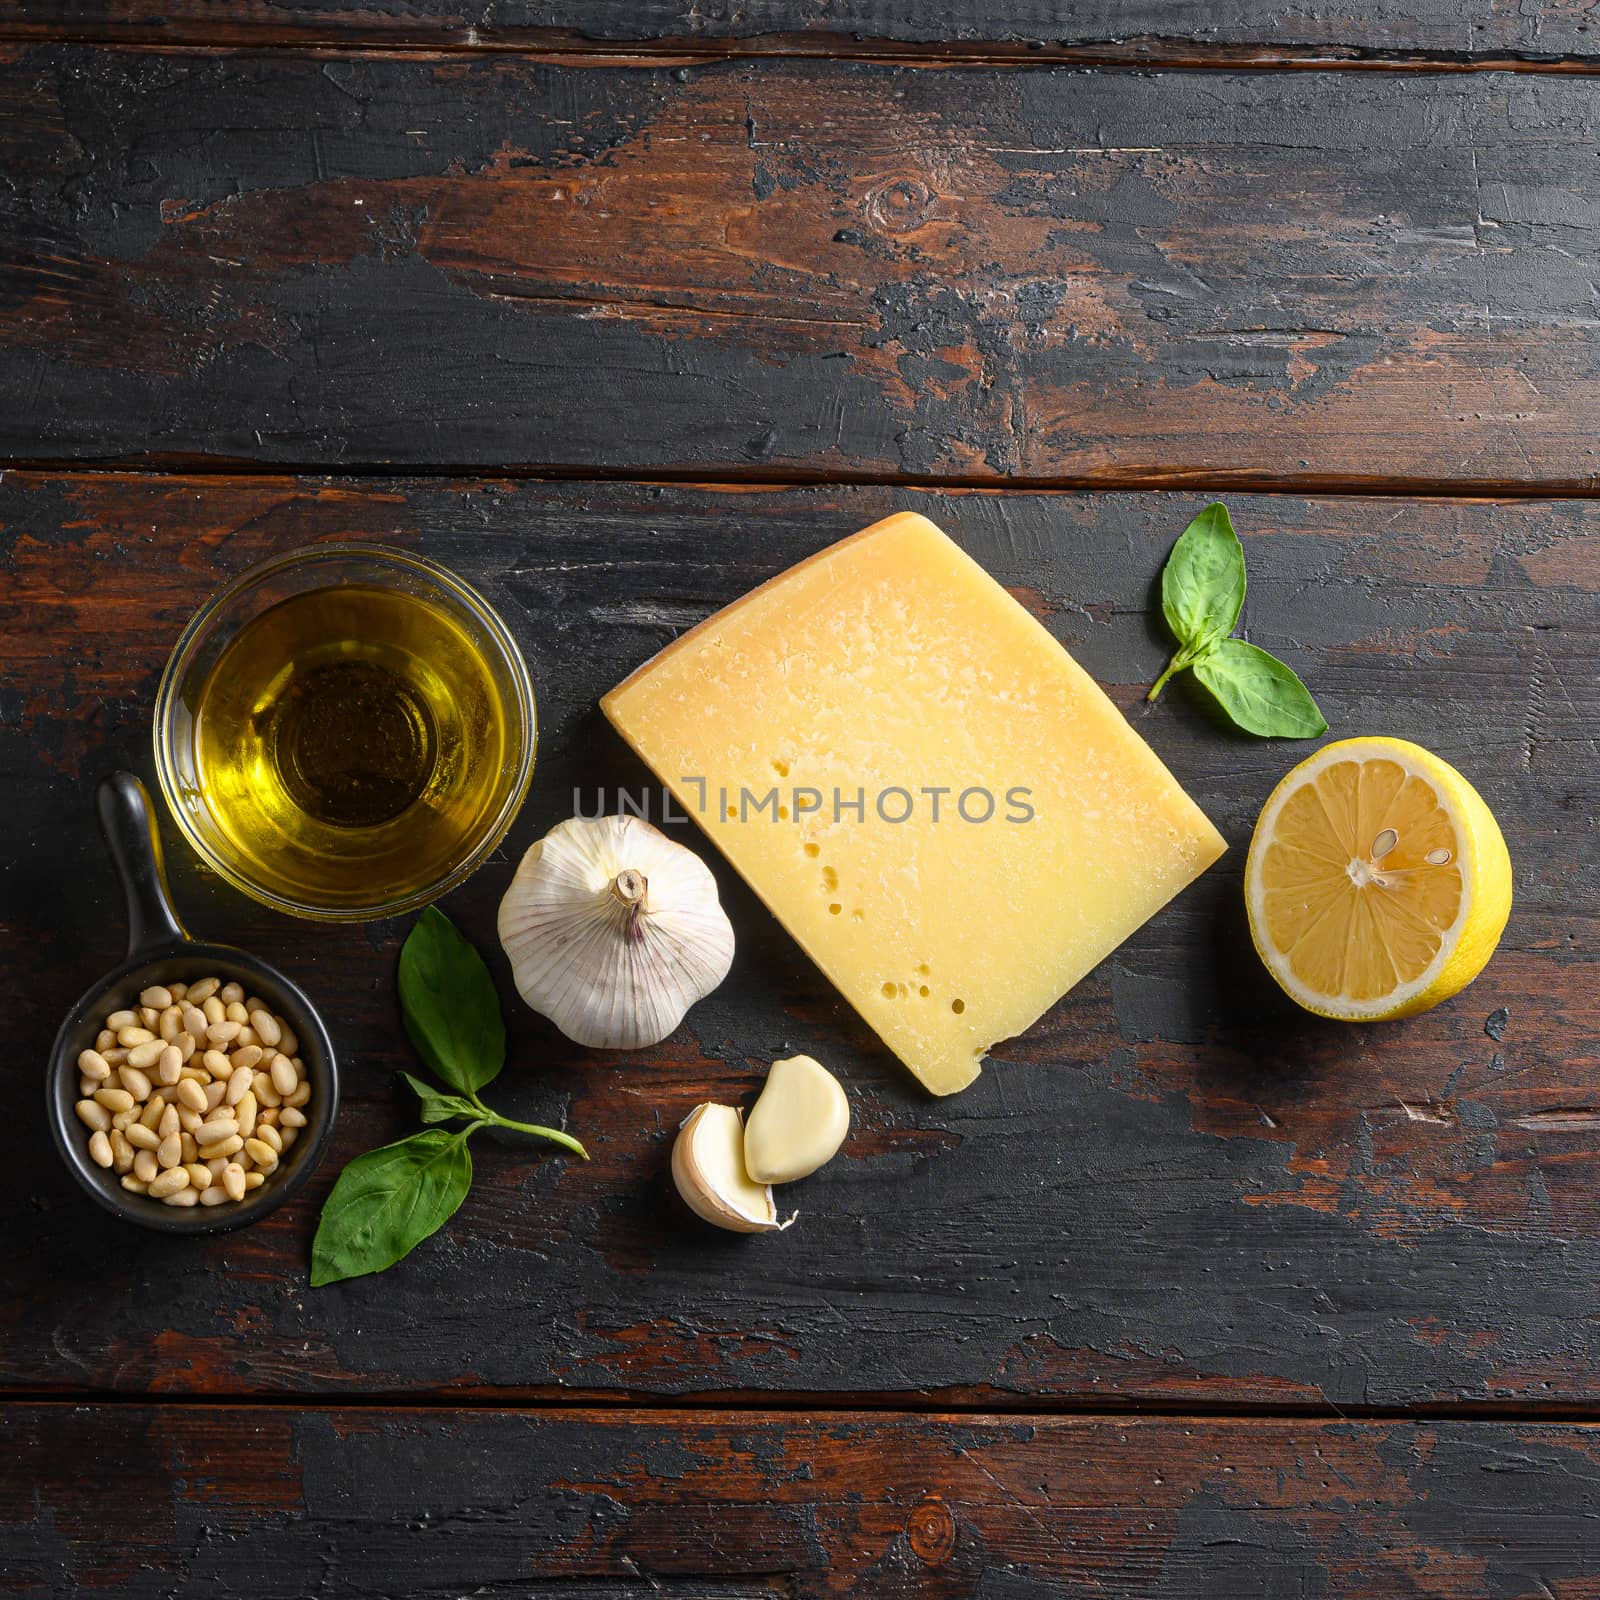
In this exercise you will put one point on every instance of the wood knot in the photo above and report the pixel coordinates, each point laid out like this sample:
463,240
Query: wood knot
901,205
932,1531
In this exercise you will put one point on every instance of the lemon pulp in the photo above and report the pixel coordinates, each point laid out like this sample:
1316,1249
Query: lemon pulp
1378,881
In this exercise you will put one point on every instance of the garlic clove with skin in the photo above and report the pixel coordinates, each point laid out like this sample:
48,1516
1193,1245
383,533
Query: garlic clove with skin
708,1169
613,931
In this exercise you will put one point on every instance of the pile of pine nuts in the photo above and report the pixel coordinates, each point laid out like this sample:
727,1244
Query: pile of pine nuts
194,1096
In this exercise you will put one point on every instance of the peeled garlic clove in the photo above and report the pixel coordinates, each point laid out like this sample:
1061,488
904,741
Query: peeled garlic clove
708,1168
798,1123
613,931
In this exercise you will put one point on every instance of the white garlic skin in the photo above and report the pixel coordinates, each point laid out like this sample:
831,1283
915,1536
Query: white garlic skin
709,1173
613,931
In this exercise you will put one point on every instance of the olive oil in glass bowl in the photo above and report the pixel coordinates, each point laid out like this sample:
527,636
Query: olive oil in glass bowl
345,732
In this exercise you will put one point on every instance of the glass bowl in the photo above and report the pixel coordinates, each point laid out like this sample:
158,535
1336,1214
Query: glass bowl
344,732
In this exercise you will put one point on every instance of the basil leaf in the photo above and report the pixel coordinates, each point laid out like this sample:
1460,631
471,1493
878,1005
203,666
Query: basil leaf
1259,692
449,1005
387,1202
438,1107
1202,584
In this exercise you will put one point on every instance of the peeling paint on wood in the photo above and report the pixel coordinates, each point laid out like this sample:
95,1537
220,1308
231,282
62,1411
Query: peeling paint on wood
188,1501
832,269
1175,1187
1452,28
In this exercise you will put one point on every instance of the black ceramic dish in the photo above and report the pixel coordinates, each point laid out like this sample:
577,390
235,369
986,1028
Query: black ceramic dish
159,950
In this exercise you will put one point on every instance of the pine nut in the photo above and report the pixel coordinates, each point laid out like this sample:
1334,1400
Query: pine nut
193,1096
264,1156
169,1182
246,1057
94,1065
146,1054
135,1082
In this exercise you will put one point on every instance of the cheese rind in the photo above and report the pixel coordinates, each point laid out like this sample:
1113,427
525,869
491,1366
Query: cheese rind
891,670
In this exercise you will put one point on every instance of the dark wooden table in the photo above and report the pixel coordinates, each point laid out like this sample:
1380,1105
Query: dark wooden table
620,308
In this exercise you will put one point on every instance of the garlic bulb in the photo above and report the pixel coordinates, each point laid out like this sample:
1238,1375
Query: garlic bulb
613,931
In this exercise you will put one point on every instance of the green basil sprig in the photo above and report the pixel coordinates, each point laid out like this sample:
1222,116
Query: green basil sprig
1202,594
388,1201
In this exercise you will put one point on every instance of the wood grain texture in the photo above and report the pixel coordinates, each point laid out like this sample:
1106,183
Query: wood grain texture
837,270
1176,1187
1447,27
192,1501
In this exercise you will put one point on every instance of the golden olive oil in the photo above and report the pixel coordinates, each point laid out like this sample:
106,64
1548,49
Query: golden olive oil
349,743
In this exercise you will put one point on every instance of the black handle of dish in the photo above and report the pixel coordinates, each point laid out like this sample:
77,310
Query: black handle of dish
129,824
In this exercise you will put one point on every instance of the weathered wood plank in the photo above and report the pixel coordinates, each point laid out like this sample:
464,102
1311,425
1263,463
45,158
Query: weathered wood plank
1447,27
198,1501
799,268
1175,1186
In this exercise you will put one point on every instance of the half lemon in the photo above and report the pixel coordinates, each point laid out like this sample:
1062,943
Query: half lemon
1378,882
